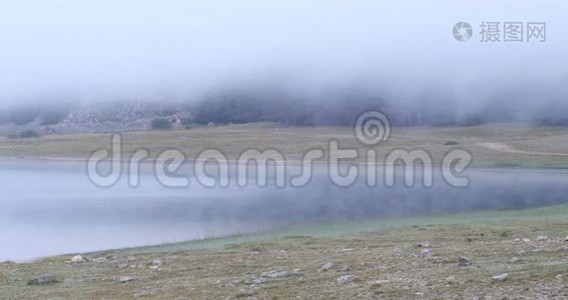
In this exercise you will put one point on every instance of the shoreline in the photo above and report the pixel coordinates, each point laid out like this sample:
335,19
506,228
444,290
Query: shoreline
292,163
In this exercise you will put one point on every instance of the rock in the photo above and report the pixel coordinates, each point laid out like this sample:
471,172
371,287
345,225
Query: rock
566,239
501,277
423,245
122,266
155,262
43,279
125,279
464,261
560,276
517,240
514,260
347,250
526,240
259,280
426,252
541,238
99,259
345,279
77,259
451,280
344,269
325,267
280,272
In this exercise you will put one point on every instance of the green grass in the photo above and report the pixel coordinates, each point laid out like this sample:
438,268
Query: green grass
550,213
381,254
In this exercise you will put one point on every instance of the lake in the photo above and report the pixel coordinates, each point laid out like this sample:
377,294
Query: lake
49,208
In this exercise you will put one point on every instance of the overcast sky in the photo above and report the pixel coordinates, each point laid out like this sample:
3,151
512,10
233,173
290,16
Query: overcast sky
90,50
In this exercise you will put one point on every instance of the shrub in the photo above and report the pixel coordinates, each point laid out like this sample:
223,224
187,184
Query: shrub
26,134
161,124
53,117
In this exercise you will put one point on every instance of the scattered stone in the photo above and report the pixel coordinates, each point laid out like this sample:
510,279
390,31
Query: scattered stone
77,259
526,240
514,260
560,276
125,279
122,266
517,240
259,280
464,261
347,250
541,238
43,279
325,267
280,272
155,262
426,252
111,257
423,245
566,239
345,279
344,269
99,259
451,280
501,277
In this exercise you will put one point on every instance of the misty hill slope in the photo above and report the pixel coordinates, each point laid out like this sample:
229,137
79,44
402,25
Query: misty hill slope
238,106
117,116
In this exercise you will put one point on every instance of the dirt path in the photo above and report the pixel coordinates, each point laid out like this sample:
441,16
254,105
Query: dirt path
508,149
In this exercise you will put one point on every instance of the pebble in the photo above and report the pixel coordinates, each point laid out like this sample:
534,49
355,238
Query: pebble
78,259
345,279
541,238
125,279
501,277
464,261
280,272
259,280
155,262
426,252
325,267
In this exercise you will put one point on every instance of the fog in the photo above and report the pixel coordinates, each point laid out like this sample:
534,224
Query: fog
401,51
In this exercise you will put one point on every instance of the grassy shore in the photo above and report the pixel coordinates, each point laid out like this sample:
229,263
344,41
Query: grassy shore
383,256
490,145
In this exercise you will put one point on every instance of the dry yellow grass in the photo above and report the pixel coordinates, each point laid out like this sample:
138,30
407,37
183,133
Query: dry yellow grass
295,141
